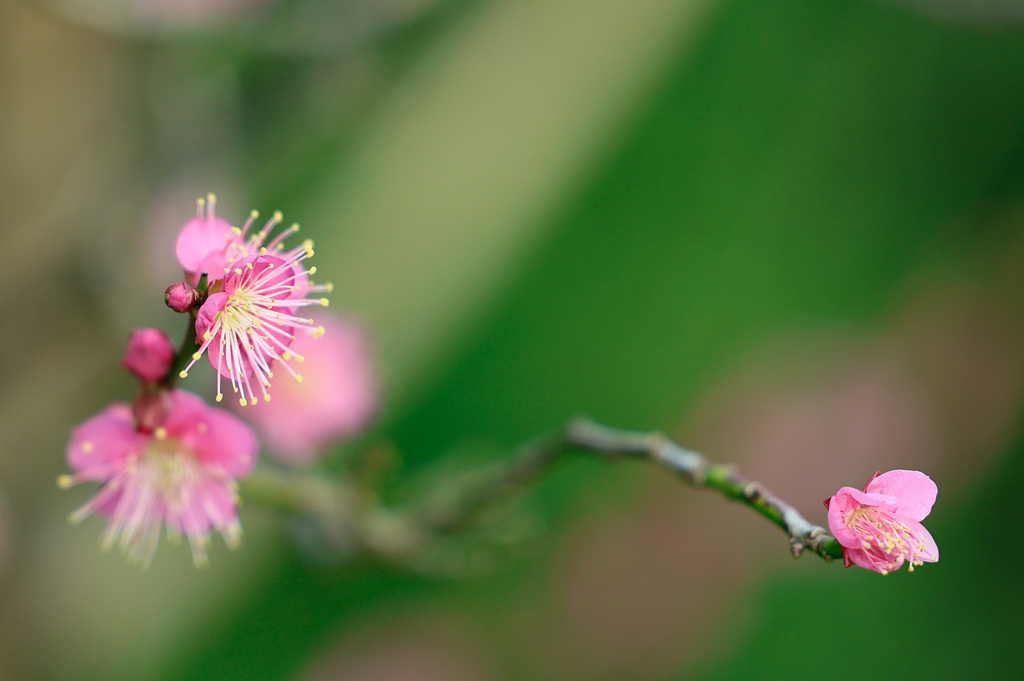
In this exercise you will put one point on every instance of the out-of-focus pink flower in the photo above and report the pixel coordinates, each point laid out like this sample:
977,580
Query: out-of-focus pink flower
879,527
338,398
250,319
149,355
182,475
205,242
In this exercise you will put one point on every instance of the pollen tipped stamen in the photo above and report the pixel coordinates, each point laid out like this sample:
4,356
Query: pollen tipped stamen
244,230
275,244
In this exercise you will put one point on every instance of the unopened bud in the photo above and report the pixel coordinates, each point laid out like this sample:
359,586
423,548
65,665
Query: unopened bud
181,297
149,355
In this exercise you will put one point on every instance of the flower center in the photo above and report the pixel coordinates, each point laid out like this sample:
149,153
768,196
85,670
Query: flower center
258,322
170,471
885,537
248,347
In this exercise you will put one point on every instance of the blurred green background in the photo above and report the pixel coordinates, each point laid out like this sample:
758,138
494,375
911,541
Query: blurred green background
790,234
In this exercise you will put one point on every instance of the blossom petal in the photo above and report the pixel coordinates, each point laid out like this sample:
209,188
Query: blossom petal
104,440
915,492
229,444
203,243
839,505
928,552
207,315
849,498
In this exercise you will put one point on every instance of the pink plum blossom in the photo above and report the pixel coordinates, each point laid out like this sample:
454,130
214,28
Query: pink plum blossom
256,288
338,398
181,474
879,527
251,323
149,355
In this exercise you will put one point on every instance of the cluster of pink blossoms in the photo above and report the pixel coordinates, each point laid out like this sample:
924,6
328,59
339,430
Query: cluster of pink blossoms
255,290
880,527
169,459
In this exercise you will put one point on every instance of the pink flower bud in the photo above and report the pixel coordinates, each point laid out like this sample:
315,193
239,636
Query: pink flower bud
181,297
150,354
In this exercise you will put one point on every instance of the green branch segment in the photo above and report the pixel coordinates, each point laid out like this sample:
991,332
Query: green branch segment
404,534
697,471
451,506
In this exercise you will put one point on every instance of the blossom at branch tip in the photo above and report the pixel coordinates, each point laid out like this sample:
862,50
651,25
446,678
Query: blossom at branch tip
256,288
181,475
149,355
338,398
880,527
